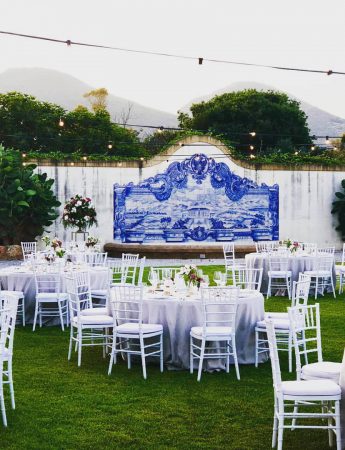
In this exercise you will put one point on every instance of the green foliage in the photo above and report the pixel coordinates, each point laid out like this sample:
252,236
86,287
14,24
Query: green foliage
28,124
27,202
278,120
338,208
154,143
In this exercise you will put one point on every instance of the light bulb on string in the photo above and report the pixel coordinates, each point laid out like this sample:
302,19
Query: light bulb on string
110,145
296,152
327,140
312,147
141,159
251,156
24,155
251,147
85,158
252,133
61,122
160,129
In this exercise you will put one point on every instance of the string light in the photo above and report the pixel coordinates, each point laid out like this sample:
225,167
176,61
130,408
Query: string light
160,129
24,155
251,147
252,133
312,147
24,164
119,164
200,60
141,159
296,153
110,145
61,122
72,163
251,156
85,158
327,140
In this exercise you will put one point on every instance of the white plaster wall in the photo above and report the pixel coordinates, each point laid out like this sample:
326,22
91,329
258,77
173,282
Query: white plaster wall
305,197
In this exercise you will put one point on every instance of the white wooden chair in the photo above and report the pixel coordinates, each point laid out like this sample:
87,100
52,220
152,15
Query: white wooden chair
48,292
340,270
130,335
306,334
129,268
231,265
266,246
5,321
325,394
12,304
326,251
300,295
95,259
219,307
247,278
309,247
87,329
28,248
322,274
279,275
21,302
165,273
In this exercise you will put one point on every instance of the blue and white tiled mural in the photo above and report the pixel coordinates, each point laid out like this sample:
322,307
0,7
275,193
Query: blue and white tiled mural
197,199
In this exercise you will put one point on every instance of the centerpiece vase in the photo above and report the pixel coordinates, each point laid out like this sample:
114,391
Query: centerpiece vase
192,289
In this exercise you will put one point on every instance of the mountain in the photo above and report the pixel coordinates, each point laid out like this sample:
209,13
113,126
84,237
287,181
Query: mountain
320,122
67,91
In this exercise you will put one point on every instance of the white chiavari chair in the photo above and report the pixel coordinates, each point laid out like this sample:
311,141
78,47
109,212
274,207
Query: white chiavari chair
95,259
309,247
326,251
48,292
28,248
231,264
322,274
130,335
165,273
279,275
21,302
5,321
340,270
86,329
129,268
219,306
266,246
247,278
325,394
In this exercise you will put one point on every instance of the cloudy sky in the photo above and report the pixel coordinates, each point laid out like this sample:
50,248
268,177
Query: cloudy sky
297,33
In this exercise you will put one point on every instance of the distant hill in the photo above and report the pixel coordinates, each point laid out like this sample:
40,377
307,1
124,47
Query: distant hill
320,122
67,91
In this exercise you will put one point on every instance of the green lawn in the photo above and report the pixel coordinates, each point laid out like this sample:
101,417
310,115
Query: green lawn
62,406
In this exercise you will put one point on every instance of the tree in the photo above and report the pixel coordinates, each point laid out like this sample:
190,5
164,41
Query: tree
338,208
27,202
342,142
277,120
154,143
97,99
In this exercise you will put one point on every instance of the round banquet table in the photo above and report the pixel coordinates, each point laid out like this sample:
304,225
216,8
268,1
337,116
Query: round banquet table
20,278
179,316
298,263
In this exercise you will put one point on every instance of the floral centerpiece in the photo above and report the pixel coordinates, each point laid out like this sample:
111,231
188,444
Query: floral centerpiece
190,275
79,212
55,248
293,246
91,242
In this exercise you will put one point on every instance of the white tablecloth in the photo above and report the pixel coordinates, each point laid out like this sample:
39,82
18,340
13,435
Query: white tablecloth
297,265
179,316
17,278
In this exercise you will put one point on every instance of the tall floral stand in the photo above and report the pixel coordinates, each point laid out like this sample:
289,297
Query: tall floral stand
80,235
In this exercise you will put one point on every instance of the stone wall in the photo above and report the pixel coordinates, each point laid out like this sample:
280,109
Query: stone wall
305,195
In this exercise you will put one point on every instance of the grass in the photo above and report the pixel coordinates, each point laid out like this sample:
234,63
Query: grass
61,406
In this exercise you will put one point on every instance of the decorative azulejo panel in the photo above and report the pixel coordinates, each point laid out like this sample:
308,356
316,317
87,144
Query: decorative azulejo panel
197,199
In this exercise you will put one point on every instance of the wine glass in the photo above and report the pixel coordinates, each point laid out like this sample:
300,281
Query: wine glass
153,279
223,280
200,273
217,277
205,281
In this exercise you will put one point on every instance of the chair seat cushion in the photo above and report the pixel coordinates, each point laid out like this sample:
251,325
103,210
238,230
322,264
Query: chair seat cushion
19,294
95,312
279,273
99,292
100,319
323,369
317,273
277,315
51,296
279,324
213,332
133,328
310,387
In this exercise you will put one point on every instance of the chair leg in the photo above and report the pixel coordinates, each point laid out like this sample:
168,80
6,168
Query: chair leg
61,316
288,285
333,289
228,357
23,311
10,380
191,359
80,344
330,420
256,348
143,361
280,431
316,286
290,351
269,288
234,352
40,314
70,343
161,352
3,409
275,425
337,424
112,354
35,316
202,352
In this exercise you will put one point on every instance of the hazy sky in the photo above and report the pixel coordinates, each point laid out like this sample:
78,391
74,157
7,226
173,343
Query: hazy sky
297,33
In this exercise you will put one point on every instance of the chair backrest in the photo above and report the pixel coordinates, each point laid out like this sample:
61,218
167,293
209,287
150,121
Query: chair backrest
219,306
95,259
9,302
79,292
300,290
306,332
272,344
266,246
229,253
126,302
326,251
165,273
115,266
247,278
323,263
48,282
141,270
29,247
6,319
343,255
278,263
129,267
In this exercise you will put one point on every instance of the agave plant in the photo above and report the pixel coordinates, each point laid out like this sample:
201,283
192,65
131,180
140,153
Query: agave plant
338,208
